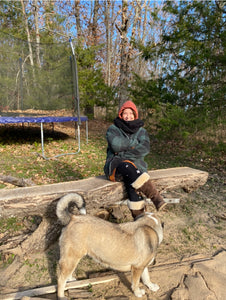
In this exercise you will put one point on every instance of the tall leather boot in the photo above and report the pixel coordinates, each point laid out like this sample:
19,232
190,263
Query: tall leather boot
137,208
137,212
143,184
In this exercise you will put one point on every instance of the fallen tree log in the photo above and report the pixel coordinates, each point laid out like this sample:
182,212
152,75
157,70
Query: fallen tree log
21,182
97,191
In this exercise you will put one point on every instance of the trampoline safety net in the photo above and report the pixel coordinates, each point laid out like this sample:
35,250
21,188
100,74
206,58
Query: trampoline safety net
39,77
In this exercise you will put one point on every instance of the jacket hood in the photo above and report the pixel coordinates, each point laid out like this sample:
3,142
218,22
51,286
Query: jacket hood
128,104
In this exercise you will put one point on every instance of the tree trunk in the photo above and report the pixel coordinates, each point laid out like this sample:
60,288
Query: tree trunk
28,33
29,42
77,18
95,22
124,64
37,34
108,43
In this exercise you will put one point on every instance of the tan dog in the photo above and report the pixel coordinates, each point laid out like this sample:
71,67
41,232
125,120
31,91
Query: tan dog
124,247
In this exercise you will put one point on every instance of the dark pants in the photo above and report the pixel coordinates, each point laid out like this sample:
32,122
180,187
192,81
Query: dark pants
128,173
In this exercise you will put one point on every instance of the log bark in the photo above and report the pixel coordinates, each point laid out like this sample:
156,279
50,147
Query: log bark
97,191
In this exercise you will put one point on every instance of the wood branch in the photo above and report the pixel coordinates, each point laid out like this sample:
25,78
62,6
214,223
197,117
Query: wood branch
16,181
35,298
41,200
119,29
52,288
12,242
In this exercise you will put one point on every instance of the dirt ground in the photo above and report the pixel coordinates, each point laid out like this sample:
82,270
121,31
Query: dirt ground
194,230
194,233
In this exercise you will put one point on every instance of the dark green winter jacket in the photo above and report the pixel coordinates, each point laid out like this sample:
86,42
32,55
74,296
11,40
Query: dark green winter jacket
126,144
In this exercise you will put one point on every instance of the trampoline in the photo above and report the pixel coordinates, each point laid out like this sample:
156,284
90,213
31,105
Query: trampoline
48,119
27,117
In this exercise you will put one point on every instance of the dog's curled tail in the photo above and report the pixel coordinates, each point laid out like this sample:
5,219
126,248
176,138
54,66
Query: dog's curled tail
62,209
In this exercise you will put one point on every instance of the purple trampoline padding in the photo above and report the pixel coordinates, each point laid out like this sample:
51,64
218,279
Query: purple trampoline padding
5,120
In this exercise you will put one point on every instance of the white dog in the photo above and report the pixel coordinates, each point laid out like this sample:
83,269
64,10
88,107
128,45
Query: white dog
124,247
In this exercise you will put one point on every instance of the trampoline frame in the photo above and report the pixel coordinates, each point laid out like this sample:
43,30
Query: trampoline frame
48,119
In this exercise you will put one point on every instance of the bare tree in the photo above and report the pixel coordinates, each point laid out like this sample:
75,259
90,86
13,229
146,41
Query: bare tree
130,30
77,18
109,28
37,34
124,55
29,43
48,12
139,30
95,22
28,32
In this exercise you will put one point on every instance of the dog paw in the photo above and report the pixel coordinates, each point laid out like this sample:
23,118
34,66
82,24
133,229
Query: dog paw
153,287
139,293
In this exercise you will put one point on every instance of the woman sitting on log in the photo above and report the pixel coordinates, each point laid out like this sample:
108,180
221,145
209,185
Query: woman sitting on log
128,144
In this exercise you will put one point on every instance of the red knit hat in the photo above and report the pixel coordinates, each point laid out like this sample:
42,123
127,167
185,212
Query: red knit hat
131,105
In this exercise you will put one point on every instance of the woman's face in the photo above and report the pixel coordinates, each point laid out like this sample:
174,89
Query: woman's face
127,114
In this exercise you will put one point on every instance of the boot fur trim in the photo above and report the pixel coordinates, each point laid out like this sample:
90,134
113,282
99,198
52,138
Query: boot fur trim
135,205
144,177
